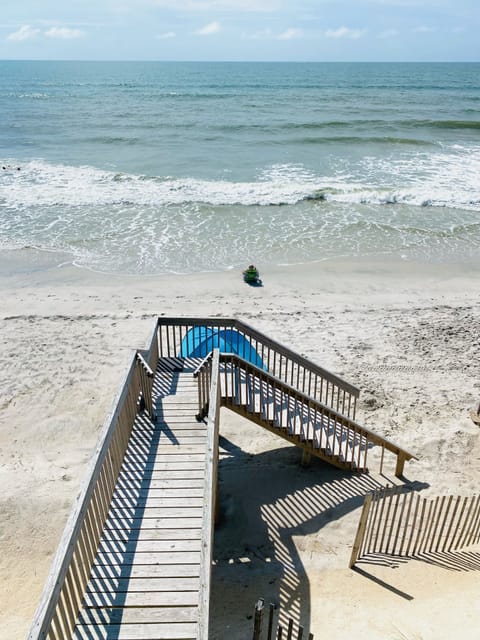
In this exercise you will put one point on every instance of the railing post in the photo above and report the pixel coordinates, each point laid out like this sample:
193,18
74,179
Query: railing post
362,525
400,464
258,620
306,458
146,376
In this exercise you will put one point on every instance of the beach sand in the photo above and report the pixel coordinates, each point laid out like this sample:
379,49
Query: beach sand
407,334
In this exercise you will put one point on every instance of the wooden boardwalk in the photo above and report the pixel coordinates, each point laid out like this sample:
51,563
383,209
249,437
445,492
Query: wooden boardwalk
145,579
134,562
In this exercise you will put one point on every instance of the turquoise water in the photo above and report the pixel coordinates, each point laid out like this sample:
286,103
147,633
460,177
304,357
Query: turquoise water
158,167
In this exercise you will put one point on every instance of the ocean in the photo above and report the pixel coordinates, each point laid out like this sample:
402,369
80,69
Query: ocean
149,168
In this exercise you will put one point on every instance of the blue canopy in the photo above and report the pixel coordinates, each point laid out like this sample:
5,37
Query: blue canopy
200,341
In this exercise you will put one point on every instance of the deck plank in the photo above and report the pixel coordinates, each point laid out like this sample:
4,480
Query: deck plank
114,572
142,585
138,615
175,598
135,631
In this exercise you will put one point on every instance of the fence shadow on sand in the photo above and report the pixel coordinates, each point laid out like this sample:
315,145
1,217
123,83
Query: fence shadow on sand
266,501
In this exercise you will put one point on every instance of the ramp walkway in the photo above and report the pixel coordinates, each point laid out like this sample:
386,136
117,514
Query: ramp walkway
135,559
145,580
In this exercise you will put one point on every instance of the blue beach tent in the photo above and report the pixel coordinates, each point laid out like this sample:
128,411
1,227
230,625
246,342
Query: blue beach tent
200,341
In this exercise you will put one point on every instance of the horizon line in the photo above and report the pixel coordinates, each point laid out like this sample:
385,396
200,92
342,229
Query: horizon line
126,60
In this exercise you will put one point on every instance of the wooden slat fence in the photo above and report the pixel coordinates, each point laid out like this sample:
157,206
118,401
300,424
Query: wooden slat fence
279,360
401,523
278,631
57,612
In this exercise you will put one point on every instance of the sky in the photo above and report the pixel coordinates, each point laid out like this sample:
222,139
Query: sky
269,30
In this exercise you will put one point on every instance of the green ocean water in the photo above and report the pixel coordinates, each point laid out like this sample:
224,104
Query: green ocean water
183,167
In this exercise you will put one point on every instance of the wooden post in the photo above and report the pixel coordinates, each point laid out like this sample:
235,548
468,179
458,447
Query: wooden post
306,458
400,464
258,620
361,530
270,622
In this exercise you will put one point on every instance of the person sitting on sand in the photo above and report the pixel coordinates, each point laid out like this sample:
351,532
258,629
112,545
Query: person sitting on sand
251,273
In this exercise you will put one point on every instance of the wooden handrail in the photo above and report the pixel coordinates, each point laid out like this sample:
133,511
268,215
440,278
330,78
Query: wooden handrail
145,365
210,497
270,393
202,364
71,567
253,333
103,468
324,409
279,360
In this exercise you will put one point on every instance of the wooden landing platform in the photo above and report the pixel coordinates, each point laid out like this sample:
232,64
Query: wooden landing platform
144,583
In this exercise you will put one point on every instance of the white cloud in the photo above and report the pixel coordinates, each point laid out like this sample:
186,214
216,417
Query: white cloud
167,35
64,33
26,32
209,29
344,32
290,34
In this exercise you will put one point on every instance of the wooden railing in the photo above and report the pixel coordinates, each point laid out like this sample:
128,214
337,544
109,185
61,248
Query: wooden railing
210,495
279,360
203,373
403,524
57,612
281,408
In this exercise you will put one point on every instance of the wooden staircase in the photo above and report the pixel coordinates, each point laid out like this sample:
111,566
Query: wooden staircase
284,410
135,558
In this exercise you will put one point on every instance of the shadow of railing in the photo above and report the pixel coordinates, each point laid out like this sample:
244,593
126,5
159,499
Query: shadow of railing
267,500
108,587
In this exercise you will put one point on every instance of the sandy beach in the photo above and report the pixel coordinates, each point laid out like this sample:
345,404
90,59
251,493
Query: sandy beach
407,334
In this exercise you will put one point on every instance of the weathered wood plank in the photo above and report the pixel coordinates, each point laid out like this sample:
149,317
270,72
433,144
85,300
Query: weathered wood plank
137,615
162,466
148,546
161,557
146,452
176,410
178,421
151,572
186,437
142,585
156,631
165,457
134,502
161,484
151,533
123,493
159,474
154,512
132,524
150,429
142,599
